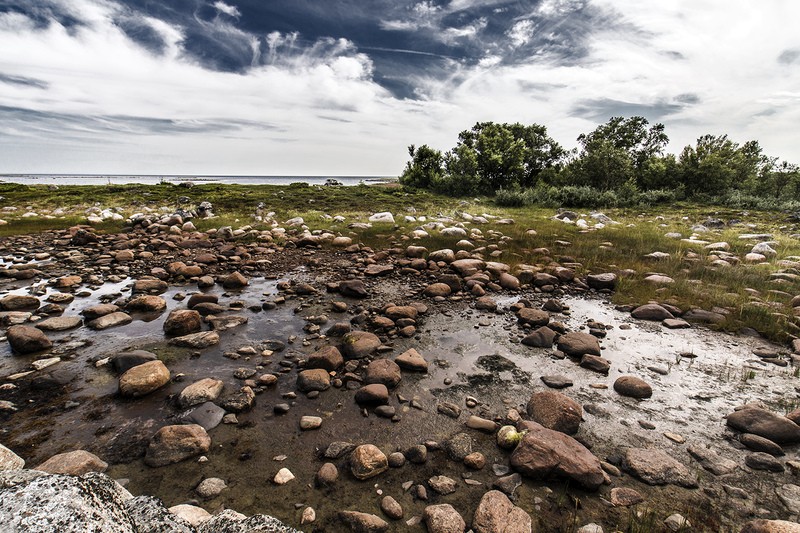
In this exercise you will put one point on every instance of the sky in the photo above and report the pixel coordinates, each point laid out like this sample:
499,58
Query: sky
342,87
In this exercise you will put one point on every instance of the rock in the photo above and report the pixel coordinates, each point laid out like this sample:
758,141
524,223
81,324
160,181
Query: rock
543,337
675,323
353,288
533,317
182,322
308,423
328,358
283,476
625,497
508,282
543,453
96,311
197,341
18,302
655,467
676,522
496,513
9,460
26,339
359,344
771,526
481,424
651,312
74,463
210,487
606,281
761,422
448,409
765,249
149,286
437,289
475,461
412,360
357,522
484,303
208,415
373,394
633,387
234,281
191,513
442,485
711,461
147,303
391,508
443,518
204,390
789,495
172,444
59,323
557,382
368,461
576,344
763,461
327,475
760,444
555,411
383,371
705,317
110,320
229,521
240,401
595,363
508,484
316,379
143,379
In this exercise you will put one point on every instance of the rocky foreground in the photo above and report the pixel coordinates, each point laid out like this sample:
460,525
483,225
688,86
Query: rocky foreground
161,319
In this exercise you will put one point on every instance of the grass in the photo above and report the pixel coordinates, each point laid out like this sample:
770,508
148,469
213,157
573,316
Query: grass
745,292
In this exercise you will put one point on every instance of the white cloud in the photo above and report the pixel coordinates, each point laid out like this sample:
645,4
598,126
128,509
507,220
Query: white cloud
521,33
231,11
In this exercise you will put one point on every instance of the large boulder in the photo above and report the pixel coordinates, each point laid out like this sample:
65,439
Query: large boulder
383,371
18,302
204,390
651,312
767,424
26,339
633,387
328,358
412,360
656,467
533,317
183,322
172,444
556,411
143,379
368,461
443,518
74,463
576,344
543,453
496,513
359,344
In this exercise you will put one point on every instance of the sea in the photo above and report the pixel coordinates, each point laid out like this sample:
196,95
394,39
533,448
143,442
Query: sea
119,179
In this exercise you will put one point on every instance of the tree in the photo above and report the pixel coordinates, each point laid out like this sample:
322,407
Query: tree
424,168
631,135
716,165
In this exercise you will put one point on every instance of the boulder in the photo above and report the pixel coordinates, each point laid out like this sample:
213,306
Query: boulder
651,312
59,323
149,286
576,344
27,339
110,320
543,453
372,394
543,337
770,526
147,303
200,340
655,467
412,360
122,362
605,281
358,522
633,387
437,289
555,411
234,280
769,425
204,390
496,513
353,288
383,371
316,379
182,322
9,460
368,461
359,344
143,379
19,302
74,463
172,444
96,311
443,518
328,358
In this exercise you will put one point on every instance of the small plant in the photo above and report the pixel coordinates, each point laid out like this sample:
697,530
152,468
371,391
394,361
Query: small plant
747,374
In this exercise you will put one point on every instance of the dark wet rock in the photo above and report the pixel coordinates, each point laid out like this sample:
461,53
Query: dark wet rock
712,461
358,522
443,518
763,461
172,444
437,289
396,459
449,409
150,286
703,316
496,513
555,411
359,344
110,320
543,337
544,453
655,467
761,422
61,323
75,463
182,322
442,485
576,344
416,454
327,475
19,302
199,298
240,401
675,323
603,281
596,364
338,449
557,382
368,461
373,394
508,484
760,444
383,371
209,308
391,508
204,390
208,415
200,340
339,329
316,379
412,360
122,362
328,358
147,303
458,446
651,312
27,339
96,311
234,281
625,497
533,317
143,379
353,288
633,387
129,442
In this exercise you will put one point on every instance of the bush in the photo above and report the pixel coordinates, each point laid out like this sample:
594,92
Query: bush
581,196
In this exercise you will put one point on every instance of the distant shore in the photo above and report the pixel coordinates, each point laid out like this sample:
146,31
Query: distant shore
119,179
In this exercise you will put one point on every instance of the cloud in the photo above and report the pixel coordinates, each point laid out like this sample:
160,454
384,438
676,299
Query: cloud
231,11
521,33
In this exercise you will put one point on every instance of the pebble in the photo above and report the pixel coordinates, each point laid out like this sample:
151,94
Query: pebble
283,476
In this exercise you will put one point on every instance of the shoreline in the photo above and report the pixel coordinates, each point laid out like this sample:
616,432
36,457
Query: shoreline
177,179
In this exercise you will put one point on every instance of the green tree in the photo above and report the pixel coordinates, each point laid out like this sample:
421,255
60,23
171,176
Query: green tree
716,165
424,168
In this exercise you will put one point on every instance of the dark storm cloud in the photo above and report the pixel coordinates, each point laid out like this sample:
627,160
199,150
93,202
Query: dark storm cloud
22,80
600,109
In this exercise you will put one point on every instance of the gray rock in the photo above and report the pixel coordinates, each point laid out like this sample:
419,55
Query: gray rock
172,444
763,461
362,522
197,341
75,463
208,415
204,390
9,460
495,513
110,320
712,461
149,515
443,518
769,425
655,467
232,522
442,485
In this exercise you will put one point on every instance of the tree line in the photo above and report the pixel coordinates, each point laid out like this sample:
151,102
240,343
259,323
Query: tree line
622,158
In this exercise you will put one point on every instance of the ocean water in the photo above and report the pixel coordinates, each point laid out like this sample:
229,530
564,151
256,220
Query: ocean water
78,179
